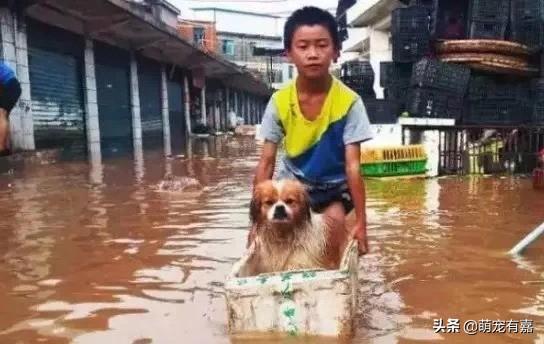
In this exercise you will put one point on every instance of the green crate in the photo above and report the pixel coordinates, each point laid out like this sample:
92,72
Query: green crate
394,168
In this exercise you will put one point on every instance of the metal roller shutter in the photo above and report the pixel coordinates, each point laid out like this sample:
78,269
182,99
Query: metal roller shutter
56,87
149,79
113,96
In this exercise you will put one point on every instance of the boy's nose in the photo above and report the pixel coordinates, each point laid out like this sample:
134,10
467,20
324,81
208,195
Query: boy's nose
312,52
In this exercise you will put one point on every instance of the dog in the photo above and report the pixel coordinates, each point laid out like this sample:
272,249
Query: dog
287,234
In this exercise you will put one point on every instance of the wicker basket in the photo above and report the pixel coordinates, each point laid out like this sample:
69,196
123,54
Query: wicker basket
482,46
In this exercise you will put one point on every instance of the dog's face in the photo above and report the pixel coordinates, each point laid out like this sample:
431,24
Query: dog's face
282,203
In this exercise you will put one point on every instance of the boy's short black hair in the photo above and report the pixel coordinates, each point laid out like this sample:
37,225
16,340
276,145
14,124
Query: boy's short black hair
310,15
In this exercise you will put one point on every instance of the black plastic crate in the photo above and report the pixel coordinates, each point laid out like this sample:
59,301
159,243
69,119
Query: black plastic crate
482,87
380,111
541,64
449,77
497,112
537,89
527,10
487,29
429,4
537,115
364,92
490,9
529,32
392,73
360,85
430,103
410,48
359,81
412,19
397,95
356,69
441,11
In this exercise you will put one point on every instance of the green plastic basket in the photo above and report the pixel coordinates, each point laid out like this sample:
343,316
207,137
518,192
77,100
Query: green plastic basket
394,168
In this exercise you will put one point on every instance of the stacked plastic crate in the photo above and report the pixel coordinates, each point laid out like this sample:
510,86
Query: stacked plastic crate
537,114
438,89
359,76
496,101
489,19
410,31
527,21
393,161
395,79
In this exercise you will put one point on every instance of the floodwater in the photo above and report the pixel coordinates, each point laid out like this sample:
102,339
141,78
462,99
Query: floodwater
91,253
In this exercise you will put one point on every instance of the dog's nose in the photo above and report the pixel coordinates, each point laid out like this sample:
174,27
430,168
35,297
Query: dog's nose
280,212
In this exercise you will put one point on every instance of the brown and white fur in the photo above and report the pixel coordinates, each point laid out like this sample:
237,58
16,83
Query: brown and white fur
287,234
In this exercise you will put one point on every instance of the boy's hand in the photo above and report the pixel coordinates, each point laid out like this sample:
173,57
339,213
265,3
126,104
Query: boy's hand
359,233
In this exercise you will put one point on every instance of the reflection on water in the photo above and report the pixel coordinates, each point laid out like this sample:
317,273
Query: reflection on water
91,253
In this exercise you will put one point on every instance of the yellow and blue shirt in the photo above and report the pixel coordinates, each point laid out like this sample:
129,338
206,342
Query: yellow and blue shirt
314,151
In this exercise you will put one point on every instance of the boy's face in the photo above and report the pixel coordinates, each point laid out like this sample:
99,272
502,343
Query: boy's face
312,51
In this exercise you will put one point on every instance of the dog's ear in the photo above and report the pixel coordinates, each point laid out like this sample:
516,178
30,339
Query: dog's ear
255,207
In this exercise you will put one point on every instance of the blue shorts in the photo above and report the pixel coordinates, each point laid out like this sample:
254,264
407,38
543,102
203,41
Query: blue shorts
322,195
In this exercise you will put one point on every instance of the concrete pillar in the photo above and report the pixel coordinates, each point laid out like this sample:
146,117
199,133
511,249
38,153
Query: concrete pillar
430,140
227,99
253,110
217,110
23,75
379,43
204,117
244,105
250,108
135,105
236,102
9,56
15,54
165,113
187,97
139,165
91,104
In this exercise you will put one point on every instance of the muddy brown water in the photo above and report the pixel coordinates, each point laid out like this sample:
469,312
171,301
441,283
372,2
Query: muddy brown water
91,253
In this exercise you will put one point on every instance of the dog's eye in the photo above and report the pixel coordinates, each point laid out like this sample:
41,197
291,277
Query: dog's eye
289,201
269,202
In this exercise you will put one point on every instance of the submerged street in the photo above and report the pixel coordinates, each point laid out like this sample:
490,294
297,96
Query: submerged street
92,253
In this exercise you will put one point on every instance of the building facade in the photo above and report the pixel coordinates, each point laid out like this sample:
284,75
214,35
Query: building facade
239,32
104,76
370,34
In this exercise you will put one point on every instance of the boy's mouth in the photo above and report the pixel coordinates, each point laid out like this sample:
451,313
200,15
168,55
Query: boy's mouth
313,66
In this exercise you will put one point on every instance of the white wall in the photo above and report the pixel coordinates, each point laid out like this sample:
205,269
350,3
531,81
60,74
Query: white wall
240,23
379,52
385,135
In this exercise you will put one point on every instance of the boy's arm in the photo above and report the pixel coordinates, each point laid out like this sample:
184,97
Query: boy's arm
357,191
357,130
265,167
272,131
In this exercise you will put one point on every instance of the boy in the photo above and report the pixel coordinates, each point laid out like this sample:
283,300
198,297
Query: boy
10,91
321,123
